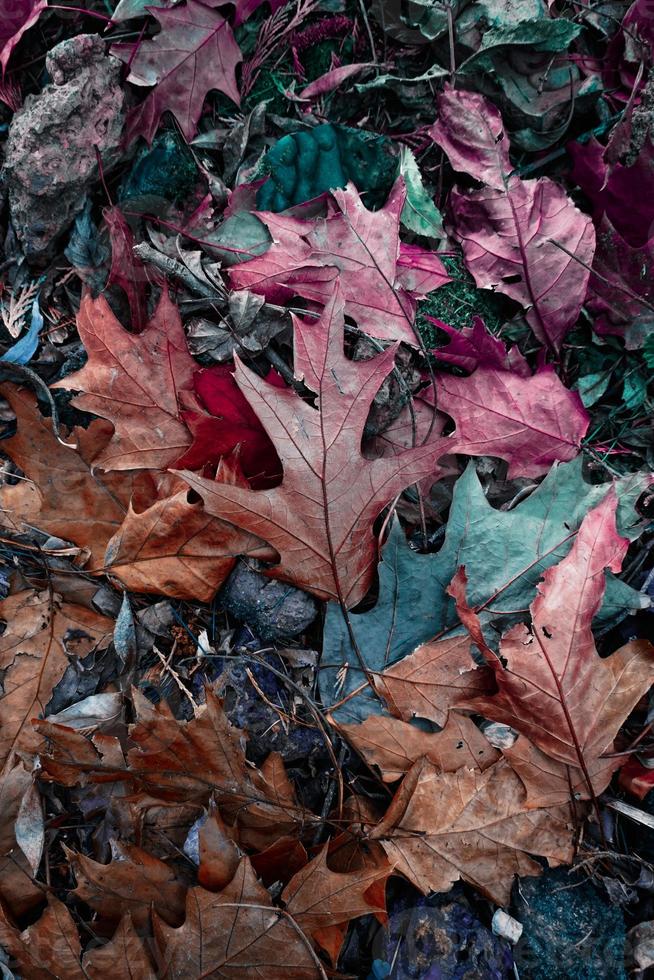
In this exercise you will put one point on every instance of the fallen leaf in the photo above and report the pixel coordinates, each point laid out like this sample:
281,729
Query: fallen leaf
127,270
124,957
69,500
219,855
134,381
16,19
394,745
224,422
237,931
470,130
134,881
555,688
442,827
42,633
621,294
48,948
175,548
17,889
381,279
319,520
194,53
511,229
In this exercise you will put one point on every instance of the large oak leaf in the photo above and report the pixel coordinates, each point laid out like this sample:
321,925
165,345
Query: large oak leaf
320,518
555,688
381,278
195,52
48,948
134,381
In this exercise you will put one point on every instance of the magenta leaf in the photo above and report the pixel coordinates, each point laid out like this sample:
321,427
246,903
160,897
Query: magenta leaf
16,18
194,53
471,132
381,277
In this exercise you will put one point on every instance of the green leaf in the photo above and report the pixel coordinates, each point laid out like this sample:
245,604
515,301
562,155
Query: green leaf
540,34
591,387
419,213
505,554
634,390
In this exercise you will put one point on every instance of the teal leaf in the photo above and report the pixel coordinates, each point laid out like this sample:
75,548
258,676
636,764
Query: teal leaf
25,348
419,213
505,554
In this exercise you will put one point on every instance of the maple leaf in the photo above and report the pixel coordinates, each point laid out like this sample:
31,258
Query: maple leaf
472,825
229,423
555,688
394,745
175,548
511,229
69,500
320,518
381,278
195,52
134,381
134,881
42,632
237,931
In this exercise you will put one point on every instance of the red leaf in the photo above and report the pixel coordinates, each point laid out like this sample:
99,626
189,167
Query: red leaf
320,518
230,424
127,270
194,53
17,17
381,278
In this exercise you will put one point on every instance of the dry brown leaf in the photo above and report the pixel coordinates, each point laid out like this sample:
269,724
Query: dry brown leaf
219,855
442,827
175,548
555,688
279,861
16,886
41,633
134,881
68,499
237,933
134,380
48,949
393,745
434,678
123,958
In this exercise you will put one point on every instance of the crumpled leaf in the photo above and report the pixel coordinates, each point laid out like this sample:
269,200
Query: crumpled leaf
61,475
194,53
252,324
442,827
504,552
24,349
381,278
127,270
134,381
555,689
42,632
319,519
511,230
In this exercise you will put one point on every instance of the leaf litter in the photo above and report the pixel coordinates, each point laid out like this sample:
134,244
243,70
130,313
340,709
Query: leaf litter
326,487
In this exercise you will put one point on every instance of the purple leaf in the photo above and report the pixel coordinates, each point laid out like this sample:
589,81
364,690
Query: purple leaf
17,17
470,130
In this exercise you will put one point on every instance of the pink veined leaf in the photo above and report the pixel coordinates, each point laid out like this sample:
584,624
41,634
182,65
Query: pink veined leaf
524,238
245,9
17,17
381,278
503,410
332,79
194,53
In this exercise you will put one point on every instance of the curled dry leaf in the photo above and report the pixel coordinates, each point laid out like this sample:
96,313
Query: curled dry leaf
555,688
320,518
42,633
17,888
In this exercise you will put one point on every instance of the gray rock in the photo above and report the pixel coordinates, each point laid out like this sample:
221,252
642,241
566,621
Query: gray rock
51,148
271,609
